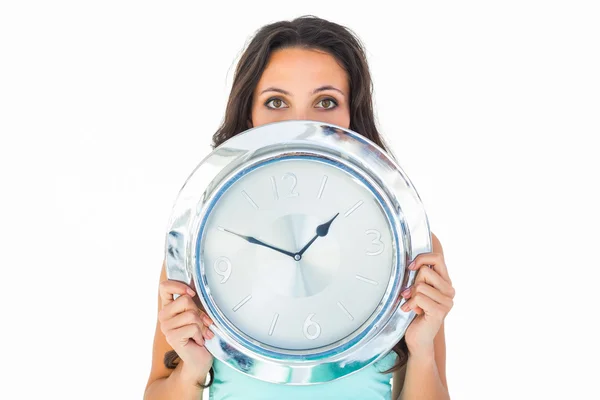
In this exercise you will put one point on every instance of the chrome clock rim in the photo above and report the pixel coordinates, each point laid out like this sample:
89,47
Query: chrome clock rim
275,141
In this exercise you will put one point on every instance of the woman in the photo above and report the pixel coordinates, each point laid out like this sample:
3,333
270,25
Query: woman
308,68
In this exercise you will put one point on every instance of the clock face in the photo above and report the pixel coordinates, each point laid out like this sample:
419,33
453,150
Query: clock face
297,253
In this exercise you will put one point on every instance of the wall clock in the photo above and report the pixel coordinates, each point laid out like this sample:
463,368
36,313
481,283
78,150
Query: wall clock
297,236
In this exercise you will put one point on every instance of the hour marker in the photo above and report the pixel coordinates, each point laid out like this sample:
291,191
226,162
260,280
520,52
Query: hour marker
323,182
241,303
273,324
249,199
362,278
274,185
221,229
350,211
310,325
340,305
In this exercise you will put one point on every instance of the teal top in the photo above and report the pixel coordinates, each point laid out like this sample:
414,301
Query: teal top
370,383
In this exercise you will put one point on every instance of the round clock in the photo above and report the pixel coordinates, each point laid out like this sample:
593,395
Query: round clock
297,236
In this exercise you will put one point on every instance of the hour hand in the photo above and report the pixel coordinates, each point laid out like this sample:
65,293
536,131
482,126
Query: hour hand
322,230
253,240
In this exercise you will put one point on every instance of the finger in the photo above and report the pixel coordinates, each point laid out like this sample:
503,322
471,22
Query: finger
435,260
185,334
428,305
432,278
168,288
187,318
430,292
181,304
416,309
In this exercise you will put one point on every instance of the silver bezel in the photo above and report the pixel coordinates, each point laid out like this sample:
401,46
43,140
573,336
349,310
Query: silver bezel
328,143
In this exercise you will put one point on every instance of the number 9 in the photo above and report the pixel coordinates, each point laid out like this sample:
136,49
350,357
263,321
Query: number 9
226,273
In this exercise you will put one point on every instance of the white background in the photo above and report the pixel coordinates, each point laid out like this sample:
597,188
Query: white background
493,109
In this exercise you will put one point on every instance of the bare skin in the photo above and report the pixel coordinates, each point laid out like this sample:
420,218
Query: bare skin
300,72
301,84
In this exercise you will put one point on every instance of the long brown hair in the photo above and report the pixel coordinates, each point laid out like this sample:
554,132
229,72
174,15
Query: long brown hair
307,32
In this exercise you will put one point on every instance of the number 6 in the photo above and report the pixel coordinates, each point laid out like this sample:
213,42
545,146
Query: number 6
307,324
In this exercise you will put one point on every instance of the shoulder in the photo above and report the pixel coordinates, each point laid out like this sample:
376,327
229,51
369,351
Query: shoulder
436,248
436,244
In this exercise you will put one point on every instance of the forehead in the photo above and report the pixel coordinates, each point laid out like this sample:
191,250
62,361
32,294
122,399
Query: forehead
302,69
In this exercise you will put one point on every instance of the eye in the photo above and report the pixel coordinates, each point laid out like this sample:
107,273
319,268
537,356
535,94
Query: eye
277,102
328,101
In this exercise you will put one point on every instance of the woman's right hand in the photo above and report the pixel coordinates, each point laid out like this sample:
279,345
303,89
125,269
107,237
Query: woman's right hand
185,327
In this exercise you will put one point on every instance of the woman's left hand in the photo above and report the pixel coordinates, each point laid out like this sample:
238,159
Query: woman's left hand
431,297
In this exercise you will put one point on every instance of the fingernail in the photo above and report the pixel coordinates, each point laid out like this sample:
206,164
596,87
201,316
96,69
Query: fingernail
207,321
412,265
405,293
210,334
191,292
404,307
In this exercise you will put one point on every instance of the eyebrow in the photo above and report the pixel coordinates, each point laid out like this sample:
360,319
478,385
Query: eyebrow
319,89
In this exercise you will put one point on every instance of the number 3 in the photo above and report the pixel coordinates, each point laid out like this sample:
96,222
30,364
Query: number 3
377,241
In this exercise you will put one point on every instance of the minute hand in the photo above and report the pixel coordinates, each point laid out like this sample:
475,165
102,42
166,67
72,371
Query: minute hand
253,240
322,230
